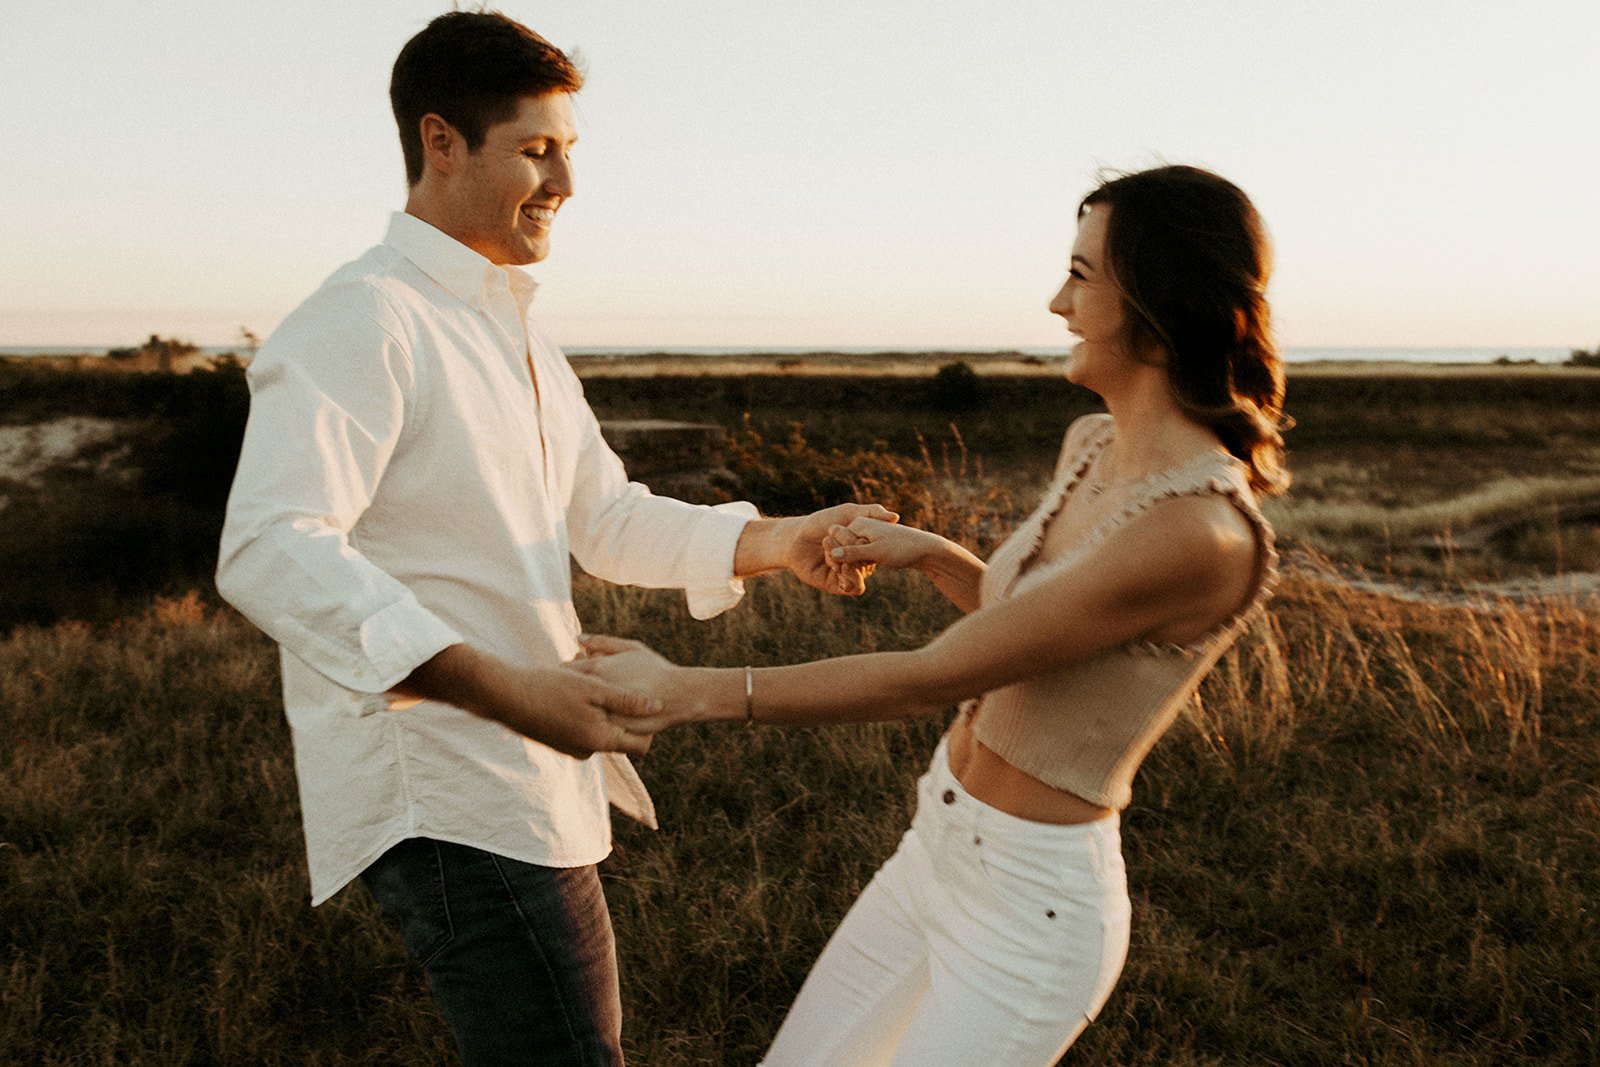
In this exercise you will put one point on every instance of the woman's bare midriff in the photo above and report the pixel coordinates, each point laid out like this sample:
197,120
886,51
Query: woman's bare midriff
1000,785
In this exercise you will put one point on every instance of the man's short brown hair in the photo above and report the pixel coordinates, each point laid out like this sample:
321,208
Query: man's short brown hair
471,69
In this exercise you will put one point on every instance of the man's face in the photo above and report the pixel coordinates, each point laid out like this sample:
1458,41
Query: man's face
507,192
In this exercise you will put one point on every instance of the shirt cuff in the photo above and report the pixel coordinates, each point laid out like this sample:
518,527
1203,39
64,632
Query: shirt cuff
717,541
394,642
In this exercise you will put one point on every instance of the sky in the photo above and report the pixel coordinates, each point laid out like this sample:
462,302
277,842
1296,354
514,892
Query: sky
847,173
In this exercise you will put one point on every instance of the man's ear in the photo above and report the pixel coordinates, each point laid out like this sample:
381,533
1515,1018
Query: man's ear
442,144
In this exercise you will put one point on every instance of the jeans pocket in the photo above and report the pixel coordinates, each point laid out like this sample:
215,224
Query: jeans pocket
1029,896
408,881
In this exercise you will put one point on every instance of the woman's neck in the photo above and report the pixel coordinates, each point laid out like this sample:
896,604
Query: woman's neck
1153,434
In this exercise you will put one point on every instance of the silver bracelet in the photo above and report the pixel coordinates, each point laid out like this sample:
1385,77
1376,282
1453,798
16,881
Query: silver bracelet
749,696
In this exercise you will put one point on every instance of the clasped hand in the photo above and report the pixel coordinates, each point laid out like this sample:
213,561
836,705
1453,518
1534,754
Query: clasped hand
806,554
838,560
866,543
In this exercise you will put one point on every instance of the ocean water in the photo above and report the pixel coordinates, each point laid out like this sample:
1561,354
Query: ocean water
1293,355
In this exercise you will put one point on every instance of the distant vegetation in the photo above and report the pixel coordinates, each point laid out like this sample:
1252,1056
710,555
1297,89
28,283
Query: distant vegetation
93,548
1383,465
157,354
1580,358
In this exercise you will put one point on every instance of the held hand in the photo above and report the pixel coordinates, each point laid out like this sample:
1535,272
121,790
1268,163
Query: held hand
807,559
577,715
866,542
572,714
633,667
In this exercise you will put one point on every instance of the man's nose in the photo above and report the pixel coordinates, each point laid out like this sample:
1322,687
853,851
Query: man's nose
559,179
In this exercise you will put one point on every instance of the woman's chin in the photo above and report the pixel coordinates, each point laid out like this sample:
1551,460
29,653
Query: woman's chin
1075,366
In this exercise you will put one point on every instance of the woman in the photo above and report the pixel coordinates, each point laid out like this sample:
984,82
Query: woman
995,932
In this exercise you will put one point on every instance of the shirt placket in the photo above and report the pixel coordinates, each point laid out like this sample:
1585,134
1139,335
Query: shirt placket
511,320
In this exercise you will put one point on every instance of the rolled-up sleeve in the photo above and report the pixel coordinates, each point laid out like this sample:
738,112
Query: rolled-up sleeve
618,530
329,399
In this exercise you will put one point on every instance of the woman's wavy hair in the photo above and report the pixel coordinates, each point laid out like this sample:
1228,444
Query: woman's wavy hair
1191,258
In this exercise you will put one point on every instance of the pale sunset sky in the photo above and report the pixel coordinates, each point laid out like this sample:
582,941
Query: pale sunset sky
893,174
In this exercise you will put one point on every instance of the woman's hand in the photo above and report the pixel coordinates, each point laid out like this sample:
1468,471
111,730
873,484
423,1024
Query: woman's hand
869,542
634,666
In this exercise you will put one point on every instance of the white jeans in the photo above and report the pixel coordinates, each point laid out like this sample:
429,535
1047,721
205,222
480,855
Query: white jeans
985,941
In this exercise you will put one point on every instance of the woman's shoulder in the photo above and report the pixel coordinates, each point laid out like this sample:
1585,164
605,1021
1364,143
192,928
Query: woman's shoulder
1198,525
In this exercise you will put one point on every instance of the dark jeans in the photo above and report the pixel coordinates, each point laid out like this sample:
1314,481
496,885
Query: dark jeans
521,958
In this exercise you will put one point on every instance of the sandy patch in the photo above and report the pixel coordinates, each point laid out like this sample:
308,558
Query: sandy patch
27,452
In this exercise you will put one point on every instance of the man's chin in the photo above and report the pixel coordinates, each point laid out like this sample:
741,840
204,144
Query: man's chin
533,251
523,254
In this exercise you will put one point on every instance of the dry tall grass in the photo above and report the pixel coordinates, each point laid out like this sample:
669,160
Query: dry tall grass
1373,841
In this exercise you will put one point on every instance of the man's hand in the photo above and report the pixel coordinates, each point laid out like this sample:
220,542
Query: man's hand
575,714
636,667
795,544
571,712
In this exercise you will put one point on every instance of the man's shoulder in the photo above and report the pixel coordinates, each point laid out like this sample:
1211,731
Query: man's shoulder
373,280
370,291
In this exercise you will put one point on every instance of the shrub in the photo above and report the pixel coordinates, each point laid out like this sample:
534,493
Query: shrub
793,477
193,450
956,387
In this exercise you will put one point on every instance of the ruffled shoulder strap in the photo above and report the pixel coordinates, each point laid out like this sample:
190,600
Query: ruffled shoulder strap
1225,476
1213,472
1086,438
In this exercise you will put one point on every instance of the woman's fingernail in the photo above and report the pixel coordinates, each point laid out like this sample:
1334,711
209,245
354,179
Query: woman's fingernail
838,553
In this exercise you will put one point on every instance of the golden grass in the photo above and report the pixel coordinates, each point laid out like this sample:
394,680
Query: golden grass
1373,841
1499,499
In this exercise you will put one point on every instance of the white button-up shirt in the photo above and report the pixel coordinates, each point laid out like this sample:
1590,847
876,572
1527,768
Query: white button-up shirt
403,487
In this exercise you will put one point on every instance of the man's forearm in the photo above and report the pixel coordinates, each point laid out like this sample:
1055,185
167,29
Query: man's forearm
554,706
460,676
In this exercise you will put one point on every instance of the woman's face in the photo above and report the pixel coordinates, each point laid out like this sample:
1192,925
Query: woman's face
1092,305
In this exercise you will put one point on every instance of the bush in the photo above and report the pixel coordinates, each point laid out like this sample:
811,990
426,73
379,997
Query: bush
84,547
89,550
793,477
193,450
956,387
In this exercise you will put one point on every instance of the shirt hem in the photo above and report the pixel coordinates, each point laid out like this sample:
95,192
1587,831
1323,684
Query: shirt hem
324,890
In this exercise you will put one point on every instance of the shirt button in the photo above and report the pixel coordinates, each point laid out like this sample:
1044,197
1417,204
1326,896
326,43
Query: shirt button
977,840
949,796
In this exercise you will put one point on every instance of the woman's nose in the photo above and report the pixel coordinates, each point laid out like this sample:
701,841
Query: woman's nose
1061,303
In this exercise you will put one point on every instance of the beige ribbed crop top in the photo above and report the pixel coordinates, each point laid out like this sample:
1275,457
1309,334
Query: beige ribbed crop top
1086,727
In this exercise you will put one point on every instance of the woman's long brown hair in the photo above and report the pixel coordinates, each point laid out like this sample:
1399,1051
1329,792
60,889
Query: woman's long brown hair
1192,258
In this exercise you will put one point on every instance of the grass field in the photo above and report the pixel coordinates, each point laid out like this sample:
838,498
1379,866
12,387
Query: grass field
1375,840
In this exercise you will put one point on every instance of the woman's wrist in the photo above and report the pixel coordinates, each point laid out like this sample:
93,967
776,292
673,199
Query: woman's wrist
708,694
936,558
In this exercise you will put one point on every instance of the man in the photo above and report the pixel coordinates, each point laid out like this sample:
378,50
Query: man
419,464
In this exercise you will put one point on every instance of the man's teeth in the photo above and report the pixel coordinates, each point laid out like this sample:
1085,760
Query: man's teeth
540,214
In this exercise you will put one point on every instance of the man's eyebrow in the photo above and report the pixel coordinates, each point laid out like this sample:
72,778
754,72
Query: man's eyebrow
568,139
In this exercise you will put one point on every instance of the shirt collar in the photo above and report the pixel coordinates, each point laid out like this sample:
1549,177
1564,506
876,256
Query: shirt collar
463,272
